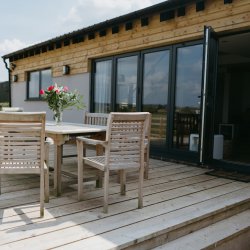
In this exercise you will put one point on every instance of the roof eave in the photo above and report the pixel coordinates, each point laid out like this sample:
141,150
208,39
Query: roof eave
102,25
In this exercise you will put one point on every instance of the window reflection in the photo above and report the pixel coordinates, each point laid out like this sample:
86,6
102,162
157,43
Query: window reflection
126,84
46,78
102,87
155,92
187,97
34,85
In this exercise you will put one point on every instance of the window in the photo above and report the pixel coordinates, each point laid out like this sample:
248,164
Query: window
38,80
114,84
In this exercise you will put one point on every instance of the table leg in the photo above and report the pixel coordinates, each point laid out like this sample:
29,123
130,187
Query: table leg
57,170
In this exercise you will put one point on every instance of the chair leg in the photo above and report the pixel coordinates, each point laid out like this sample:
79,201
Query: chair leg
123,181
118,176
146,171
140,193
99,182
146,157
46,184
80,169
106,191
62,154
46,153
42,194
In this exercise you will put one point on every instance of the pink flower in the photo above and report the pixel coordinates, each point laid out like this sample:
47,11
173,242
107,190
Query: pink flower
65,89
57,91
51,87
42,92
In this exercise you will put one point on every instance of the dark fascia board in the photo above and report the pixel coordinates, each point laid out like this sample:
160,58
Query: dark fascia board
166,5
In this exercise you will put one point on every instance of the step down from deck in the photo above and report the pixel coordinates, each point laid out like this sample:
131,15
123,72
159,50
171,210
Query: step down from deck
153,232
231,233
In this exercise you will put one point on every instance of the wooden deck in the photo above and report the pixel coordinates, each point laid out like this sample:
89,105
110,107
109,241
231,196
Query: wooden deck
178,200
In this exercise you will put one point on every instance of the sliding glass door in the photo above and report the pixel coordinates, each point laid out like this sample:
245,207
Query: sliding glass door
165,82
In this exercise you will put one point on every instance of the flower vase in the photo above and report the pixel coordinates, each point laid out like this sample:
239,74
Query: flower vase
58,116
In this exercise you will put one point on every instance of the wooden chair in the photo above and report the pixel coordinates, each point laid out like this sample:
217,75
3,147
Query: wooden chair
124,149
22,138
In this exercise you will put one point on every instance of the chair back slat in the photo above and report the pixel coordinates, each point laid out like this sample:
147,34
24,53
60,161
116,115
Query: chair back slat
96,118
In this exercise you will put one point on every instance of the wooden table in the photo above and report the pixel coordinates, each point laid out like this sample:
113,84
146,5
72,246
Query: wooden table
63,133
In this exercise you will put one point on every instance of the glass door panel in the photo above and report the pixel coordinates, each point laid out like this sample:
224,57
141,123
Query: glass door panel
155,93
102,86
187,97
126,83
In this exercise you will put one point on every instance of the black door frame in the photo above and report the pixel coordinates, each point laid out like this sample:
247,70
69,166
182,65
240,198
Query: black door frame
210,65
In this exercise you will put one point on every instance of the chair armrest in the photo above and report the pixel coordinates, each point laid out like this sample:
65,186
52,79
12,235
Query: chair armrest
91,141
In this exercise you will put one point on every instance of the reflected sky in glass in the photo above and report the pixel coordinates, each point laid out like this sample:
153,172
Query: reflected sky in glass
126,80
34,85
103,82
46,78
155,78
189,76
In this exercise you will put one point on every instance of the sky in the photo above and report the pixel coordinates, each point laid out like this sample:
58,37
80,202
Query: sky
27,22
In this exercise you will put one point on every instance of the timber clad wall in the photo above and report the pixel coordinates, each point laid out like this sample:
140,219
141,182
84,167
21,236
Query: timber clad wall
222,17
